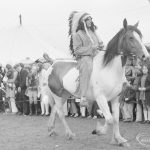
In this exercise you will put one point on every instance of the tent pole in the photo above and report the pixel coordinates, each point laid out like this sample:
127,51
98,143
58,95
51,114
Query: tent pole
20,19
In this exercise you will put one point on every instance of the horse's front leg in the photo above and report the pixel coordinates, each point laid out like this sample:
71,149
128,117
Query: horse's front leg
117,138
103,105
100,129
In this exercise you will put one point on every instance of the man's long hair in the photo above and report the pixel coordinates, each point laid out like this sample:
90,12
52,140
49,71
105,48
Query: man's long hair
81,26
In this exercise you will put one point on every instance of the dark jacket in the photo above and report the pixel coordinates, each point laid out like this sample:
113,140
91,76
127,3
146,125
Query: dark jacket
21,79
128,95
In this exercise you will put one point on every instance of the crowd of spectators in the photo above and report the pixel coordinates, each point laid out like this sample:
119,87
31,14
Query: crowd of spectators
21,92
19,89
135,97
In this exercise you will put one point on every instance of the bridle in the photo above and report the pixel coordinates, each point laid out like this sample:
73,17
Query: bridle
124,53
121,53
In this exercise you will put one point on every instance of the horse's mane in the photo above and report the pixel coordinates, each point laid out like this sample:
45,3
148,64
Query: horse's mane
112,49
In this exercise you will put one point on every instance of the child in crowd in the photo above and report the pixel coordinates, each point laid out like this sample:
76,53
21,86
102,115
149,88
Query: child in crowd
32,88
43,89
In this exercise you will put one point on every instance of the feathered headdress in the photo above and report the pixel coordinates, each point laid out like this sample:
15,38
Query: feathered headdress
74,19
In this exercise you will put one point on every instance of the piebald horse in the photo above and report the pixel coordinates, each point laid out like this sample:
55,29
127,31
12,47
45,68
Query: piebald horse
107,78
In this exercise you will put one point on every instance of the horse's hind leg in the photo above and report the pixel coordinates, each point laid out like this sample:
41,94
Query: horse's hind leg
117,138
51,123
59,108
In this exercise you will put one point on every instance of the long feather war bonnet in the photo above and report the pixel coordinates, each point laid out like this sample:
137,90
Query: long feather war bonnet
74,19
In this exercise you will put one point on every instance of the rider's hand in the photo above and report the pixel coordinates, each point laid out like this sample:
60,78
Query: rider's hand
95,52
100,47
94,47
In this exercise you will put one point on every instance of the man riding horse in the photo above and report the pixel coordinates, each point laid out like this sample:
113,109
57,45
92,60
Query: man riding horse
84,45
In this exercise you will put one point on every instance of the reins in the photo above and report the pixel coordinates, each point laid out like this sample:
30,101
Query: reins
121,53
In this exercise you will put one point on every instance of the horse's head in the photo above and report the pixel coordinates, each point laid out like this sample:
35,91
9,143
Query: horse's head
127,42
131,41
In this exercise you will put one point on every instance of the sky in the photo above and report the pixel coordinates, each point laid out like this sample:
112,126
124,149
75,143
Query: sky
46,21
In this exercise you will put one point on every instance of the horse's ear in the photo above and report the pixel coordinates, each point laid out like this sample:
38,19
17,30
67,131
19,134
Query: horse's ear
136,25
125,24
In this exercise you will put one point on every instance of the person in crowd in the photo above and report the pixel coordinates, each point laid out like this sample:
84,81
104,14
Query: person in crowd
77,103
2,99
32,88
43,89
144,89
72,109
128,94
137,73
17,93
10,88
83,111
21,89
84,45
129,100
86,110
48,59
89,108
2,91
2,74
95,108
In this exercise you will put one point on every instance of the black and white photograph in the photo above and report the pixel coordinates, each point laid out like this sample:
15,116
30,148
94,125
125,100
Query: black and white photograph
74,74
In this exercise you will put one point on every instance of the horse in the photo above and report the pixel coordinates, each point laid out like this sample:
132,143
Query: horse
107,78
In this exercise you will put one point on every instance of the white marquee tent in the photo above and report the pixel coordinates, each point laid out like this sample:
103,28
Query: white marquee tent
18,43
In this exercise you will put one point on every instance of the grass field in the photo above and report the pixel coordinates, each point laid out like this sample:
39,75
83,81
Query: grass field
30,133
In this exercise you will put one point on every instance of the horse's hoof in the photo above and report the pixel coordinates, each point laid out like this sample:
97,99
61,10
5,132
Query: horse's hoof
94,132
52,133
97,132
70,136
124,144
109,121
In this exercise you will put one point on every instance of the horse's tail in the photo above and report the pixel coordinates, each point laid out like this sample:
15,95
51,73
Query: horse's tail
51,100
